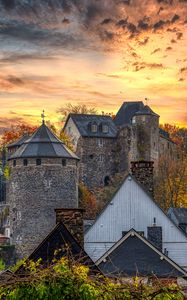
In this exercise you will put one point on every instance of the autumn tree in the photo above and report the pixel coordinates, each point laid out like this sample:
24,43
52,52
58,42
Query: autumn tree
87,201
15,132
171,181
176,134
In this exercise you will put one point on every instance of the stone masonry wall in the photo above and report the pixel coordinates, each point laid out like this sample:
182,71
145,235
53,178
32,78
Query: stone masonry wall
97,160
33,192
73,219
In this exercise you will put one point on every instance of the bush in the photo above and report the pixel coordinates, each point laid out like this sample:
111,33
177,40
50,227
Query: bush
68,281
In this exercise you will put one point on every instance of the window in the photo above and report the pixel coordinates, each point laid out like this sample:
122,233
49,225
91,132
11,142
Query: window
93,127
91,156
14,163
106,180
133,120
63,162
100,142
101,158
38,161
105,128
25,162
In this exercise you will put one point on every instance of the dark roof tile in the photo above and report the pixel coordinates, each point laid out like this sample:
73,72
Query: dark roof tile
83,121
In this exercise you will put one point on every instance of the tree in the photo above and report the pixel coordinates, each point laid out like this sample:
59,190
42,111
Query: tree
15,132
176,133
76,109
87,201
171,182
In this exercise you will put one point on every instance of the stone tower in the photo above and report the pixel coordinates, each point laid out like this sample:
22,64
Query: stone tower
145,136
43,177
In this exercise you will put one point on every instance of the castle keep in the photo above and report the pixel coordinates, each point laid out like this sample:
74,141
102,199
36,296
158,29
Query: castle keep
107,146
43,178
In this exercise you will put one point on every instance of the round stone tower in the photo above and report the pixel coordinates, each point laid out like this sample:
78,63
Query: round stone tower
145,139
44,177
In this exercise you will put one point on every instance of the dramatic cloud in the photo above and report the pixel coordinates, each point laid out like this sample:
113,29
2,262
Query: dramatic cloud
91,51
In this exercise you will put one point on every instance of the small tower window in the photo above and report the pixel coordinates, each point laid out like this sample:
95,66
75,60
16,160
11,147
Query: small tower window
25,162
14,163
100,142
93,127
63,162
38,161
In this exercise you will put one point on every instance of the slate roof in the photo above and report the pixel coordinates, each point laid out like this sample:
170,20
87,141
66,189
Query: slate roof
82,121
134,255
43,143
146,111
180,214
18,142
127,111
60,243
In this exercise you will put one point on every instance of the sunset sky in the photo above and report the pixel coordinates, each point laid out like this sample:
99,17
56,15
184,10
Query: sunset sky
94,52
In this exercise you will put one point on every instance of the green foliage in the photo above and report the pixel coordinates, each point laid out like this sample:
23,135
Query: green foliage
67,281
7,172
2,265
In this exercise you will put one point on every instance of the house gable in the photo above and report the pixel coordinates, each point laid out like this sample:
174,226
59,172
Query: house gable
134,255
132,207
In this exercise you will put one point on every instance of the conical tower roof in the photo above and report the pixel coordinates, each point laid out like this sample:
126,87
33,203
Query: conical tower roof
43,143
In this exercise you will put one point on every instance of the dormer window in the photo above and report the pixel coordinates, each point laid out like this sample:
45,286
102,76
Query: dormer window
105,128
93,128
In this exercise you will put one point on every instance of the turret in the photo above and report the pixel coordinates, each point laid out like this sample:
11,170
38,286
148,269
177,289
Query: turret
145,141
43,177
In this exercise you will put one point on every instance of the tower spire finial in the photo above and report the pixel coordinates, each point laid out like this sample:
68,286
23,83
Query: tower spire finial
43,117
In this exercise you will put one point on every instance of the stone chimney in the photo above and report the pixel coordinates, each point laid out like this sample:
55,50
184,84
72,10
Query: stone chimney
73,219
143,172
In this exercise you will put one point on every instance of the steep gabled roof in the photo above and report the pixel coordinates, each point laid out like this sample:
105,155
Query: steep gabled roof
134,255
148,194
127,111
43,143
83,122
60,243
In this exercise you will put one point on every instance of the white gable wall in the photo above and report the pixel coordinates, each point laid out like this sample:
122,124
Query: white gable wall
130,208
72,130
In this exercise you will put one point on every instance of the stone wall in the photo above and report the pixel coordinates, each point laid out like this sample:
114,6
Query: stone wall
97,160
123,143
145,139
143,172
73,219
33,192
167,148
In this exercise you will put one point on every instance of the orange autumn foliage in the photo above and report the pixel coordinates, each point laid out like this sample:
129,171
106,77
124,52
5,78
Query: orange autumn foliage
87,201
15,132
174,132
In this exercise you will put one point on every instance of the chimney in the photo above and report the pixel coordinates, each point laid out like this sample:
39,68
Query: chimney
73,219
143,172
154,235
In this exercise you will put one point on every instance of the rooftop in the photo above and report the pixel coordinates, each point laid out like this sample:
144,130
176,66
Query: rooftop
43,143
83,121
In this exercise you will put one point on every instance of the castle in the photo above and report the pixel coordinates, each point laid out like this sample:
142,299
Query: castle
107,146
45,173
